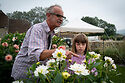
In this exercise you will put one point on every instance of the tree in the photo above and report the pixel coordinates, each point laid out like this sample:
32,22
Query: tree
110,29
35,15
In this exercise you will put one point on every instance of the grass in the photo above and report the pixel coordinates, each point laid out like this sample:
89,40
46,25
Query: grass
120,78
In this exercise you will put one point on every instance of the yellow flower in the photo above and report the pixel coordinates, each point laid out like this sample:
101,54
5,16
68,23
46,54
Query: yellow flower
95,56
59,54
84,61
70,60
65,75
38,63
64,56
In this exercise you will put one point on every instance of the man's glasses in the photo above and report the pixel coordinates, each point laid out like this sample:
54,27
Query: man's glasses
58,15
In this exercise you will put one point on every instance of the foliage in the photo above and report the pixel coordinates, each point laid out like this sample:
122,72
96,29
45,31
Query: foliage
110,29
9,48
93,70
116,37
35,15
58,41
105,37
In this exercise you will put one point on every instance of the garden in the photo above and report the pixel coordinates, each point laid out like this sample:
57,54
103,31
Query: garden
97,68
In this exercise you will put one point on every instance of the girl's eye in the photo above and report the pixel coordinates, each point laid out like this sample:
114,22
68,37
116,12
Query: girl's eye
78,43
83,44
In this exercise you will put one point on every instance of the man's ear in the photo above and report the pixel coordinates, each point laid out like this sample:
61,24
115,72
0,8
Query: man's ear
47,14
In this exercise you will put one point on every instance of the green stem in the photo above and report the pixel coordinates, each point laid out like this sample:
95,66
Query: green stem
48,79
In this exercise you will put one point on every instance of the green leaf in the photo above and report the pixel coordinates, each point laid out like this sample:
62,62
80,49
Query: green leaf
96,64
58,78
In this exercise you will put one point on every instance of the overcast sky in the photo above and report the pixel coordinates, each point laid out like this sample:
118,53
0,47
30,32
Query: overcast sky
112,11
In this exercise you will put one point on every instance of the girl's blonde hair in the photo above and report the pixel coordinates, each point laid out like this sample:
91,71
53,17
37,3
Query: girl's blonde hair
80,38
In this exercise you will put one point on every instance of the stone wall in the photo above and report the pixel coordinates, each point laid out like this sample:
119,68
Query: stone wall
101,45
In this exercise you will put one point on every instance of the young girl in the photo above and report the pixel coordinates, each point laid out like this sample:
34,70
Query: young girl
80,47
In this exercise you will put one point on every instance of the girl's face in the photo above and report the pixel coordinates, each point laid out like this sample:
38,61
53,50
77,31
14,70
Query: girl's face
80,48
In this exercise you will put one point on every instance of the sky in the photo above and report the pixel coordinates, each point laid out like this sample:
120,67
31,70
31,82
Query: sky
111,11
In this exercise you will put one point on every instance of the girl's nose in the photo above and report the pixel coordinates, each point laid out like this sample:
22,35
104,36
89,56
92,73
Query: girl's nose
81,45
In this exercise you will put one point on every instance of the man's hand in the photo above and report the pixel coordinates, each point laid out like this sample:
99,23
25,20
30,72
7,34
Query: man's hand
69,54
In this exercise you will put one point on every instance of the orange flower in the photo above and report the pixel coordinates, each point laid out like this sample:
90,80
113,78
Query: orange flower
8,57
62,47
5,44
16,46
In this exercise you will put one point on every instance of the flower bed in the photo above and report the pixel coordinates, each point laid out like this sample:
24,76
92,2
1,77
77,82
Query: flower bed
95,69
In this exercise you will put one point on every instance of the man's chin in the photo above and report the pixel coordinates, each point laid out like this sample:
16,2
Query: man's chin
58,26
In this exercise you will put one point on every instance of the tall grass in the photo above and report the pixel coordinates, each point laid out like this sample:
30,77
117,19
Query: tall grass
117,53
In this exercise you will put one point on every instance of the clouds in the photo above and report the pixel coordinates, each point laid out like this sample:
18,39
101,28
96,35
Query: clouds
111,11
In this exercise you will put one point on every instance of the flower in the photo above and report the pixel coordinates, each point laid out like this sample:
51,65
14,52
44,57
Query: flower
93,70
41,69
8,57
96,73
14,38
59,54
70,60
109,60
92,53
105,65
65,75
62,47
95,55
16,46
5,44
17,82
50,63
113,66
79,69
38,63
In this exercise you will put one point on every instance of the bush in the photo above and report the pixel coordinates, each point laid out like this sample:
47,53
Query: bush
9,47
